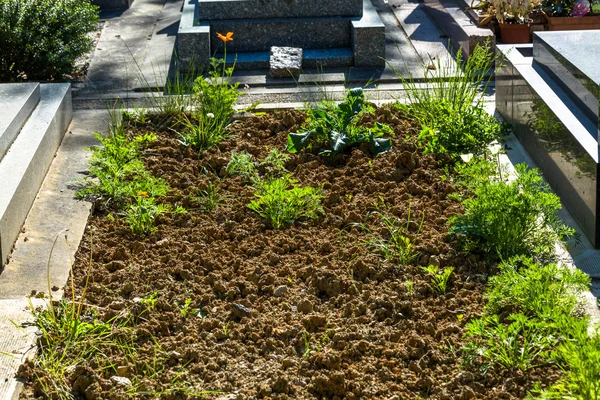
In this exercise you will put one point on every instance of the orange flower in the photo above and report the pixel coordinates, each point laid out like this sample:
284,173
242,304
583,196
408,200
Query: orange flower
143,194
227,38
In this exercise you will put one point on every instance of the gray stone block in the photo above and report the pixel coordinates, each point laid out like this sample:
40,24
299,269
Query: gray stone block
285,62
193,39
23,168
17,101
261,35
212,10
112,4
368,39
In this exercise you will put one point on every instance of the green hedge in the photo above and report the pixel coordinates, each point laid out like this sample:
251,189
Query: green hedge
40,39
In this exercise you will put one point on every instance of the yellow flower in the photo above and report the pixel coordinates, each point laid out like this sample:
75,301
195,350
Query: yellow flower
227,38
143,194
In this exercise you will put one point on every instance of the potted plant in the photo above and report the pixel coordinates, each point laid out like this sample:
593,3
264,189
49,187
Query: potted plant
566,15
513,18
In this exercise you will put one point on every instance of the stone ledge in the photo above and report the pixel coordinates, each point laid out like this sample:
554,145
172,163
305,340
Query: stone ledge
23,168
17,101
212,10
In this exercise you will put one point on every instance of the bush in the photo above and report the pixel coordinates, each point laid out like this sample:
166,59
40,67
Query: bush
513,218
40,39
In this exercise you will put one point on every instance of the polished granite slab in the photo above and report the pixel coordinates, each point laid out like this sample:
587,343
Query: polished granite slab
571,59
551,126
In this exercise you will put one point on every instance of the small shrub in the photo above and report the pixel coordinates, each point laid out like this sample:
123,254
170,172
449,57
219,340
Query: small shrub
281,205
513,218
335,129
40,39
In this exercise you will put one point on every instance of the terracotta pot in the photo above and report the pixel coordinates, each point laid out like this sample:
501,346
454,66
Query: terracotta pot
515,33
573,23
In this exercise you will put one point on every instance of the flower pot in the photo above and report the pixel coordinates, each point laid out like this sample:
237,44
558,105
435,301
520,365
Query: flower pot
573,23
515,33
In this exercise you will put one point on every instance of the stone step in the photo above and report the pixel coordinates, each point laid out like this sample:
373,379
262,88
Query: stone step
17,101
212,10
23,168
457,26
260,35
312,59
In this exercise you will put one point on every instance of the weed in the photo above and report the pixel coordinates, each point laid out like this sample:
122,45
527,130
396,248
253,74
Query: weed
215,97
185,308
241,165
410,287
306,341
398,246
149,301
281,205
450,111
274,163
119,171
209,199
522,344
142,215
512,218
580,360
439,279
542,291
336,129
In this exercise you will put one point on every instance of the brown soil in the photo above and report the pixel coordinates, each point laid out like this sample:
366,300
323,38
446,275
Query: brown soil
263,294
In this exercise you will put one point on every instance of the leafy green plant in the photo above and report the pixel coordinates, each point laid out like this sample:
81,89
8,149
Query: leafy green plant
41,39
336,129
439,279
513,218
522,344
544,291
241,165
281,203
450,106
142,215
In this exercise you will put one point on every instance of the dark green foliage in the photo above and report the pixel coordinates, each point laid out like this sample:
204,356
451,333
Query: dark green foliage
40,39
335,129
513,218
